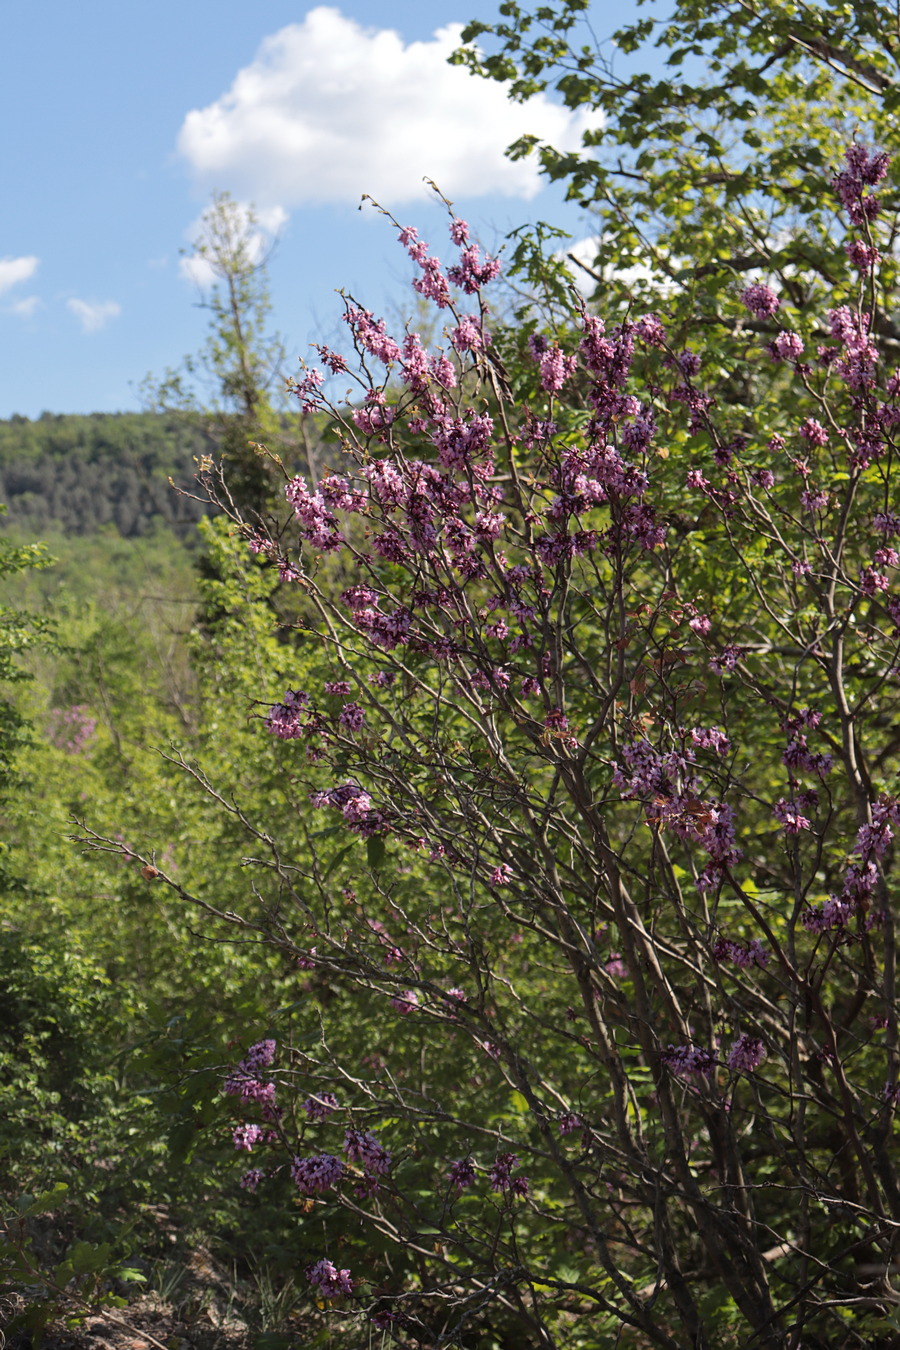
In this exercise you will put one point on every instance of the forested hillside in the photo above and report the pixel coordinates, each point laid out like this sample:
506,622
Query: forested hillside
74,474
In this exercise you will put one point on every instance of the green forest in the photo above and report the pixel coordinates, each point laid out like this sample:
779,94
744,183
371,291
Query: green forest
448,855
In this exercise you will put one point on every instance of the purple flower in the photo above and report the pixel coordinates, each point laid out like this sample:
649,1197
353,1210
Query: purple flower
871,582
336,687
887,523
688,1061
754,954
371,335
710,738
789,816
615,967
863,170
747,1053
650,330
251,1179
862,255
760,300
259,1056
362,1147
244,1082
501,1179
813,432
330,1282
473,272
318,1173
352,716
834,913
321,1106
501,876
568,1123
245,1136
556,366
406,1002
727,660
461,1174
287,719
459,232
786,347
468,335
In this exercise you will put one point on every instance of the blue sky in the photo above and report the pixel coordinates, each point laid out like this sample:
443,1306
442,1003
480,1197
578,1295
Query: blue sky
121,119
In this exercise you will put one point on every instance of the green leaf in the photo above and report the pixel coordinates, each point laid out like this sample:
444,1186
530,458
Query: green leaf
375,851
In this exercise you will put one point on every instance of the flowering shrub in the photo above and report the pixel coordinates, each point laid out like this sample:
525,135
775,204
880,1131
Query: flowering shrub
606,724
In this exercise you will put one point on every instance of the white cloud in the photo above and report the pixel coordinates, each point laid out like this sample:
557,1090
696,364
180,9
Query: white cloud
94,316
328,110
14,270
198,271
590,253
24,307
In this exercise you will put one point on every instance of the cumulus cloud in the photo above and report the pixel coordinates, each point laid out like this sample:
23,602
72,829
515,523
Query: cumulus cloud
329,109
94,316
14,270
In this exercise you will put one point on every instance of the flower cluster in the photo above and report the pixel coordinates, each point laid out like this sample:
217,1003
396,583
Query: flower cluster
461,1174
321,1106
761,300
747,1053
355,805
688,1061
245,1081
502,1180
316,1174
863,170
328,1280
744,957
363,1148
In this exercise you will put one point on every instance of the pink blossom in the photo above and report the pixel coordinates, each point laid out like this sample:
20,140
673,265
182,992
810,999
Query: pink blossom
363,1148
760,300
472,272
788,814
711,738
459,232
351,716
747,1053
786,347
316,1174
468,335
687,1061
500,1174
813,432
328,1280
245,1136
320,1107
650,330
863,256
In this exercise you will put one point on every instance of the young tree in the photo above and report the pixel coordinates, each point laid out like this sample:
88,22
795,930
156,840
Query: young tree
237,378
599,1039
